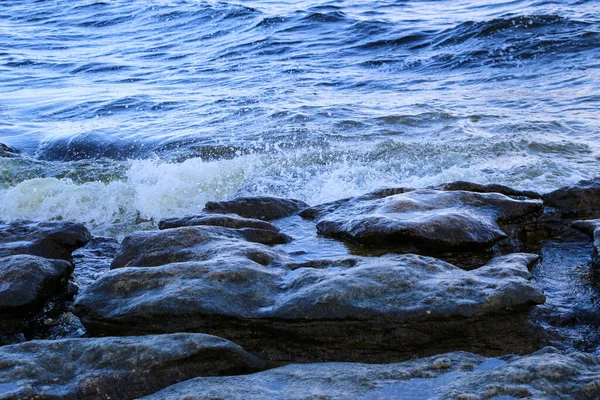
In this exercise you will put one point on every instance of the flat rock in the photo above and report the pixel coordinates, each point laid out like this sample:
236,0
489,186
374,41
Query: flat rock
27,281
265,208
224,220
542,375
44,239
432,220
196,243
581,200
115,368
491,188
358,308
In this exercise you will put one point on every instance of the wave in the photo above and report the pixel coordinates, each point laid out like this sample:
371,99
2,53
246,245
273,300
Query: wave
116,198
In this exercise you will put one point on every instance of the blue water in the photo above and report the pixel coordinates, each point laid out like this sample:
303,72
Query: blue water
129,111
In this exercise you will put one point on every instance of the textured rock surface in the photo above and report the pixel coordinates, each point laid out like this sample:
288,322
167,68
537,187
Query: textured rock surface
93,260
343,309
592,228
546,374
424,219
44,239
115,368
26,281
224,220
198,243
581,200
7,151
265,208
492,188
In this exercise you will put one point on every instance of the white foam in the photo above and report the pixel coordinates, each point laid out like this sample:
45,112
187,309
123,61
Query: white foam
150,190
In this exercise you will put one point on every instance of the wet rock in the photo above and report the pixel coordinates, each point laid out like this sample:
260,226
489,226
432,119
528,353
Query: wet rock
198,243
7,151
424,219
592,228
115,368
492,188
265,208
581,200
390,307
225,220
93,260
44,239
414,379
27,281
543,375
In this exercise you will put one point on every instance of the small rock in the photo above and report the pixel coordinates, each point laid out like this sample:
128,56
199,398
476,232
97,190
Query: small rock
44,239
27,281
264,208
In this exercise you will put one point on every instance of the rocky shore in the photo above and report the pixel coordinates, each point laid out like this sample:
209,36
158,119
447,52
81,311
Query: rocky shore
461,291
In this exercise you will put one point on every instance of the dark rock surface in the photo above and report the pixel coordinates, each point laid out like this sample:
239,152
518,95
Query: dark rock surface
581,200
115,368
329,381
7,151
348,309
93,260
265,208
44,239
27,281
543,375
425,219
224,220
197,243
592,228
492,188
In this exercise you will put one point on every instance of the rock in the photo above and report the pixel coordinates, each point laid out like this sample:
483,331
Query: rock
225,220
543,375
115,368
265,208
592,228
424,219
27,281
93,260
7,151
493,188
581,200
197,243
389,307
44,239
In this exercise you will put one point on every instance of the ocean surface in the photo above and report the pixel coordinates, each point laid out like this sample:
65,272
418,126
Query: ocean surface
126,112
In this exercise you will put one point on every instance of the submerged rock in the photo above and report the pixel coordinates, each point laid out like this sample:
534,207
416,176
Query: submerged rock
44,239
265,208
224,220
27,281
545,374
115,368
424,219
393,306
581,200
7,151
